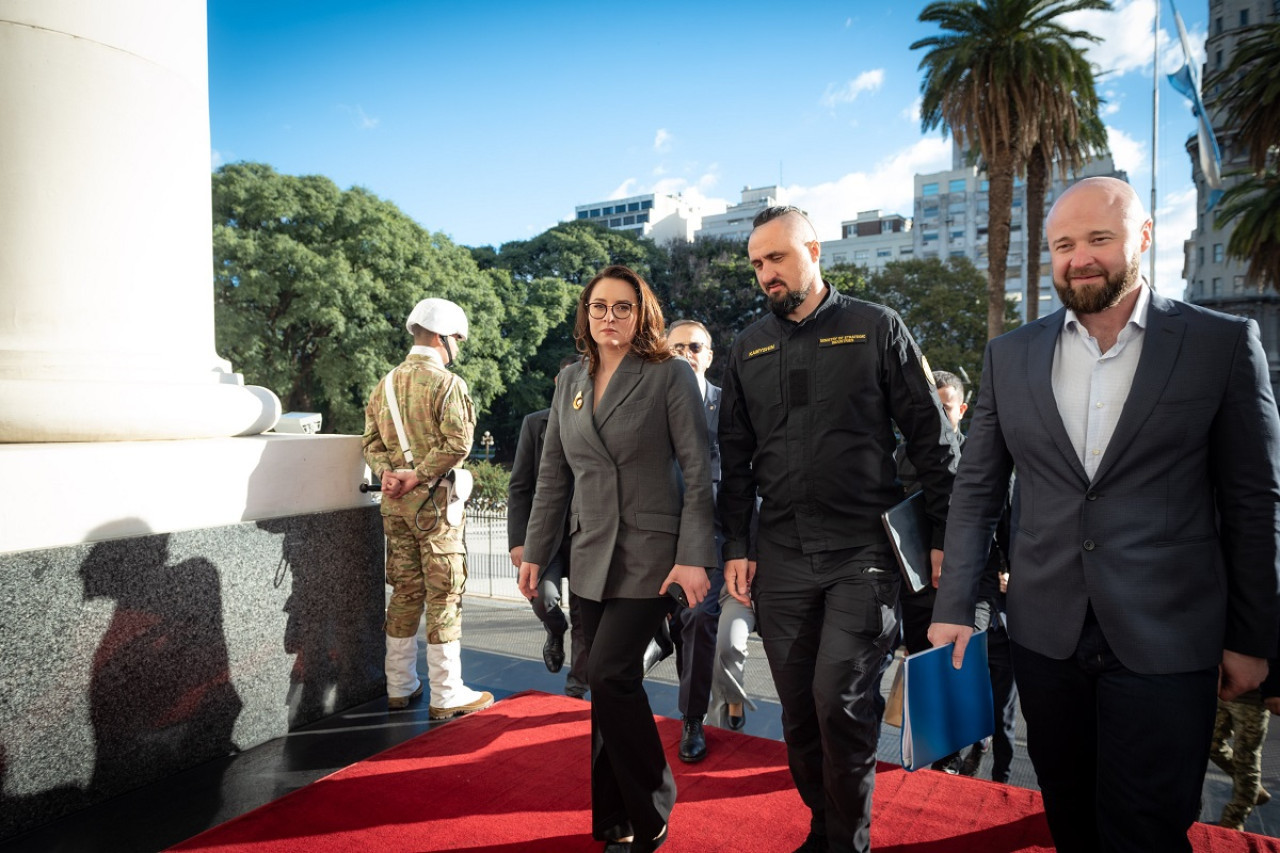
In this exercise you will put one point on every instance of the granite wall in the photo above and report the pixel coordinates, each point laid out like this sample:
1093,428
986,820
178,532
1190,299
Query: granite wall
127,660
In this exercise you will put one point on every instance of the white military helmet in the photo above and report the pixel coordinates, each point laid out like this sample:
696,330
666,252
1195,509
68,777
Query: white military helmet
440,316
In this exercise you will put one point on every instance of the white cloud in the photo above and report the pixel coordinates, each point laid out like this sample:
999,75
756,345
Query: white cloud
912,113
1126,38
215,159
662,140
867,81
1128,153
629,187
888,187
1175,220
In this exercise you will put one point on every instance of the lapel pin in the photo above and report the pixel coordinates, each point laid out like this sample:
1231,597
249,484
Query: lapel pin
577,401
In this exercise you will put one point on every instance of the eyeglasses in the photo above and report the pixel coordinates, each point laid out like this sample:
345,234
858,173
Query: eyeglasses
598,310
695,347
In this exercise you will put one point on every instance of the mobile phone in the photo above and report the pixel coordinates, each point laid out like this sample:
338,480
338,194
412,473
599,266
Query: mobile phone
677,592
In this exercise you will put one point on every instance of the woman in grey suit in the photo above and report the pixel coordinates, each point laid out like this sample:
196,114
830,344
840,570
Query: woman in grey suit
625,424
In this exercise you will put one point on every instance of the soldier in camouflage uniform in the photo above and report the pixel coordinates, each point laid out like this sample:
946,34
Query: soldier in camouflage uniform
425,552
1243,722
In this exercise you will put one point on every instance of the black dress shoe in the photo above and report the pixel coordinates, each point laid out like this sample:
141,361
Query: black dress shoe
737,721
655,654
553,651
693,741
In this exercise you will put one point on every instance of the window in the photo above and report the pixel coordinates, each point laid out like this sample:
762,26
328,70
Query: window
931,212
1217,254
956,207
1200,256
615,223
957,234
957,253
1217,59
644,217
884,253
1217,286
929,235
1237,284
956,186
628,220
646,204
1244,17
861,255
1217,26
984,186
582,214
633,206
907,250
929,189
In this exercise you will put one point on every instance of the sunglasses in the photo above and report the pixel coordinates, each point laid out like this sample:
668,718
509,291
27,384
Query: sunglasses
694,348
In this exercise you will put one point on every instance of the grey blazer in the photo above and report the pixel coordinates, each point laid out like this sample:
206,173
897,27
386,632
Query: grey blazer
1174,541
629,520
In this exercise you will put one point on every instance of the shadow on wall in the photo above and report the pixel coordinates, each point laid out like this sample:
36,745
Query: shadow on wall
334,610
160,692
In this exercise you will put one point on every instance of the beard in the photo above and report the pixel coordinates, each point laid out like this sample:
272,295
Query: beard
1095,298
788,301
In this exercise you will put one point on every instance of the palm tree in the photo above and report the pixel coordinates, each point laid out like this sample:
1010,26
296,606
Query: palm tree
1250,95
1071,154
999,66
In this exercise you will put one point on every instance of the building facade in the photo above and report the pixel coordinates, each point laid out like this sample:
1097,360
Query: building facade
1212,278
735,222
951,213
659,217
870,241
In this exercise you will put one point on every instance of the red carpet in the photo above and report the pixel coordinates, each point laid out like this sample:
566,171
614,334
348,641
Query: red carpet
513,779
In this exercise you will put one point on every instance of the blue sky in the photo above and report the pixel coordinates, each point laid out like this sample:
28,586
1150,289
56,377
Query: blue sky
490,121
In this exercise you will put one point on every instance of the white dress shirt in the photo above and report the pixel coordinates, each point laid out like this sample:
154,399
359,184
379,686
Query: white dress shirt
1091,386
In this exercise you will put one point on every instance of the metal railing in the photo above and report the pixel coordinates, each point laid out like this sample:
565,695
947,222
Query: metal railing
489,569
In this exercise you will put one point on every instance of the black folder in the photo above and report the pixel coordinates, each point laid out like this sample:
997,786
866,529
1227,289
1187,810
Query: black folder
945,709
909,534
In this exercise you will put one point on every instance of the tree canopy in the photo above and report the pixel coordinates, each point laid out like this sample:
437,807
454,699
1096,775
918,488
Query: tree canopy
1250,95
312,285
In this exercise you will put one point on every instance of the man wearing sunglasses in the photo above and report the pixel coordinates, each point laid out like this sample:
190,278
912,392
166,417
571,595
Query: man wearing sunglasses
693,629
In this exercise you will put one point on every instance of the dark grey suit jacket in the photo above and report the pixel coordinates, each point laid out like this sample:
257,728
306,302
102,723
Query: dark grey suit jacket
629,519
1175,540
524,479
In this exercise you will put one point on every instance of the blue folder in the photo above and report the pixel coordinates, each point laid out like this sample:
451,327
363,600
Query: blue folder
945,709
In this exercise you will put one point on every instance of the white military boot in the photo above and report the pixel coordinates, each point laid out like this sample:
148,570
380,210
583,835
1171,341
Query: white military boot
403,684
449,696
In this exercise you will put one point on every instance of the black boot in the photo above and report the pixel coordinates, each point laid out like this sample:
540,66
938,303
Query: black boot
693,741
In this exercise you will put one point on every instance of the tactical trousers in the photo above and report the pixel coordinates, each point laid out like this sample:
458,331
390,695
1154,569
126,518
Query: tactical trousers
420,578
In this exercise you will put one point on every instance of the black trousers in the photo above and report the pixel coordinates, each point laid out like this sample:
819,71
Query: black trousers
1005,696
547,607
693,630
632,789
1120,756
827,620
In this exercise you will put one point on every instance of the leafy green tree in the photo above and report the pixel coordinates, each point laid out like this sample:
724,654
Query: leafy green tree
312,285
997,64
711,281
561,259
1250,96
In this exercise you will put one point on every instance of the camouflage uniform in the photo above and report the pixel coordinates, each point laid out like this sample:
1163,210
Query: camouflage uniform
425,554
1243,722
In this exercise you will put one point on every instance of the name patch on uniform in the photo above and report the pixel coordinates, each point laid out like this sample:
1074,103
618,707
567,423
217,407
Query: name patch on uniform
761,351
842,339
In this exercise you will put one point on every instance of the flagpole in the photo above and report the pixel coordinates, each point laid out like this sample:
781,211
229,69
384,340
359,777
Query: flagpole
1155,133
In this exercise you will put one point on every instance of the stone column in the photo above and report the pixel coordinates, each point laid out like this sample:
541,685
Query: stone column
106,296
